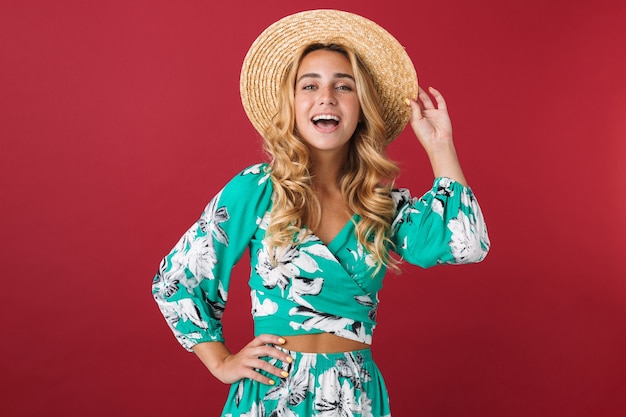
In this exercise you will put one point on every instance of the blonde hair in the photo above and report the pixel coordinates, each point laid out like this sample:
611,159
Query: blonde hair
366,180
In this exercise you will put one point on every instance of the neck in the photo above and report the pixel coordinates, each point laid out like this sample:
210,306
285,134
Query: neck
326,169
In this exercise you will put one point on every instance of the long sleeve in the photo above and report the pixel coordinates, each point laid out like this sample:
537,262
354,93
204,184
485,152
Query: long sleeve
444,226
191,285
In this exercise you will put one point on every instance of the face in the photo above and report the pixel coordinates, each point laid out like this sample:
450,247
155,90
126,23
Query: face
327,107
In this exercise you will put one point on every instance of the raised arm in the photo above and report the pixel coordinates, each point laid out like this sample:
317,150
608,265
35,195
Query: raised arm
445,225
433,128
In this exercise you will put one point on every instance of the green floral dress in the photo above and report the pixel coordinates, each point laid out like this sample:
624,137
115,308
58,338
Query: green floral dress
312,288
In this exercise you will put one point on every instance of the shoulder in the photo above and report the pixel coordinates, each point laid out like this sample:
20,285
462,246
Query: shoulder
254,176
253,182
260,169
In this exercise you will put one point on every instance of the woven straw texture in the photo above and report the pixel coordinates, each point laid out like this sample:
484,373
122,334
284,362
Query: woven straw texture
391,68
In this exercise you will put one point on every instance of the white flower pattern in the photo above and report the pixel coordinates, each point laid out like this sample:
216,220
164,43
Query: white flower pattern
335,398
280,271
305,287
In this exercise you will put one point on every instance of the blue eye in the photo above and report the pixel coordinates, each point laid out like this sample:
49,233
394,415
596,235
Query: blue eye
344,88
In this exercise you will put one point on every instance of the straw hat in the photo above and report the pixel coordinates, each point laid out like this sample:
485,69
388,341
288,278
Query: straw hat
265,63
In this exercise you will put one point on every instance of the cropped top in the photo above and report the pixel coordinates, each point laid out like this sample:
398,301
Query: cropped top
311,287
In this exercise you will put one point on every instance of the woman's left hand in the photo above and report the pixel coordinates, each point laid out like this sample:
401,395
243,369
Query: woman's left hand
431,123
433,128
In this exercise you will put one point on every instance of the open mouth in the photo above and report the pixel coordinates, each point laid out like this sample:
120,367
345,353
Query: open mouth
325,121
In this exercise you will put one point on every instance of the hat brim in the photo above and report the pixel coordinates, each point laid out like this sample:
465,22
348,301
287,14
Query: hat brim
391,68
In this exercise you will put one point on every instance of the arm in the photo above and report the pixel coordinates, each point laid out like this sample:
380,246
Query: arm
433,128
191,286
446,224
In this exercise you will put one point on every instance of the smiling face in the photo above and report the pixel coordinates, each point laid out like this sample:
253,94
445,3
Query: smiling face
327,108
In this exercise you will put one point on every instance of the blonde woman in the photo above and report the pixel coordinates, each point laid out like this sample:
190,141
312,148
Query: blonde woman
320,220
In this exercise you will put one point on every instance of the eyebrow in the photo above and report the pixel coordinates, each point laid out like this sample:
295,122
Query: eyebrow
316,75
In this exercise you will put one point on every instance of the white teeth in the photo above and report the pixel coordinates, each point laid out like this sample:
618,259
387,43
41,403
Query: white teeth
325,117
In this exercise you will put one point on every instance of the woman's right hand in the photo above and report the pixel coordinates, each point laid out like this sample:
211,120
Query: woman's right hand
230,368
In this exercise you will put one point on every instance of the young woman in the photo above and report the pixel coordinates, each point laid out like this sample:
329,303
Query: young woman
320,220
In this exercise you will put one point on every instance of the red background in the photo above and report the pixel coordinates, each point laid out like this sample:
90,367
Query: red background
120,119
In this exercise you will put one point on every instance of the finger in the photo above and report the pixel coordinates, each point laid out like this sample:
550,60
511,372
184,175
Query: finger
441,103
257,376
260,346
254,353
265,339
258,369
279,354
416,109
262,365
425,100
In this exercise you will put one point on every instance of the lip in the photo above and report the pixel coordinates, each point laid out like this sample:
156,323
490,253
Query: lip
326,129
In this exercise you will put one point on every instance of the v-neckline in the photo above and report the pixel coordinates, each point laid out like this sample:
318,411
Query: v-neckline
336,242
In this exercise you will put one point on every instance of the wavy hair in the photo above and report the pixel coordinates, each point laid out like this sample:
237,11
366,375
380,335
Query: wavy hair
366,179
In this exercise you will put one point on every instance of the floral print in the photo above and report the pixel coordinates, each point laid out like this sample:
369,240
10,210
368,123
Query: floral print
308,287
346,384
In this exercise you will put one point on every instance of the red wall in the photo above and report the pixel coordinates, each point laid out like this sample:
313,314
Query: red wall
120,119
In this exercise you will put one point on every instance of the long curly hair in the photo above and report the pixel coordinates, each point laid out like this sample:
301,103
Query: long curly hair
366,179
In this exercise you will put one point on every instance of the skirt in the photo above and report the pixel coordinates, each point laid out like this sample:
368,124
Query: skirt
346,384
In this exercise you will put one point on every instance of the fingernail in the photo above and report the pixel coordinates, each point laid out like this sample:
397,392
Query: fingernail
284,373
281,340
407,101
289,359
271,382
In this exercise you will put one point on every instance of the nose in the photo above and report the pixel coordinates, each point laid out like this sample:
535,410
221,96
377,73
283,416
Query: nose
327,95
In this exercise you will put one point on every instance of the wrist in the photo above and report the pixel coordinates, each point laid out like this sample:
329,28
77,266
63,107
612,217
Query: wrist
213,355
440,148
445,163
442,155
